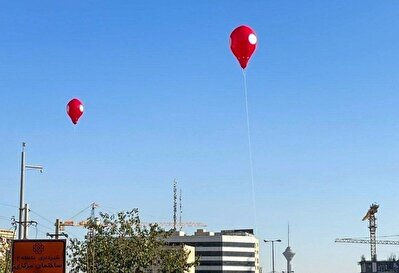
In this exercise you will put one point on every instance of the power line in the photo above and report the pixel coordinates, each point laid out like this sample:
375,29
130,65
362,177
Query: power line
46,227
8,205
44,218
80,212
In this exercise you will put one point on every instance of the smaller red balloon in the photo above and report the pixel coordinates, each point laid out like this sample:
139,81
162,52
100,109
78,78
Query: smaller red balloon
243,44
74,110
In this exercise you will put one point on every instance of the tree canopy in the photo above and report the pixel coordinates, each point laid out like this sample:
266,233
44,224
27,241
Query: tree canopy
119,243
5,252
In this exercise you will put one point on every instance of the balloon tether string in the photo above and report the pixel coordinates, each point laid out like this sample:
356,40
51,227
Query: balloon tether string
250,148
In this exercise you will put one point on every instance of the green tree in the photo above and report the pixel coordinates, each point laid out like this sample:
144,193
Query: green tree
5,255
120,244
174,259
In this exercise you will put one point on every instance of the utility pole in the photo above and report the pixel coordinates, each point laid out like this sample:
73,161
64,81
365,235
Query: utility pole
57,233
22,221
57,228
26,220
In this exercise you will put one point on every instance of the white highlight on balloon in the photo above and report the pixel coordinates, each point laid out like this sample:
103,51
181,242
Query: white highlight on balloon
81,108
252,39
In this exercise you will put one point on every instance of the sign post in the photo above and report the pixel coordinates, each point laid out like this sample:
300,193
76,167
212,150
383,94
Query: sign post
38,256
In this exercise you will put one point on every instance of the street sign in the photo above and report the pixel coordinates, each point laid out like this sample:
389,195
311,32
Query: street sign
38,256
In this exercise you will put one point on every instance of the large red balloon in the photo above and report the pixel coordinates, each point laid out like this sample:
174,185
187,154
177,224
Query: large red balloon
243,44
74,110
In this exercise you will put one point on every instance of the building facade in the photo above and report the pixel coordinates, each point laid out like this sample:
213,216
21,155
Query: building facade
379,266
7,234
228,251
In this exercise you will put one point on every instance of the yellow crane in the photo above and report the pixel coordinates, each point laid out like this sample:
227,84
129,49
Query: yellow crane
370,216
173,224
60,225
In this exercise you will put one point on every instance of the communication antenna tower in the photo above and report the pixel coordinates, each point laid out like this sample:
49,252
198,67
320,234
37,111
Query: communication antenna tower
180,206
288,253
174,204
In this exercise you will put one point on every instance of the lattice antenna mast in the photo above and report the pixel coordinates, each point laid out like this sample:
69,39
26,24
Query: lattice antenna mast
370,215
181,211
174,204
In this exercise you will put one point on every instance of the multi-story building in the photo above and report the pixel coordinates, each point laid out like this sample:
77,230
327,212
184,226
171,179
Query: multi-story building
379,266
7,234
232,251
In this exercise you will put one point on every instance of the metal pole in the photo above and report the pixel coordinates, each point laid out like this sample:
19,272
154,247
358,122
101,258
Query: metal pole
21,192
272,241
22,222
57,228
26,220
272,256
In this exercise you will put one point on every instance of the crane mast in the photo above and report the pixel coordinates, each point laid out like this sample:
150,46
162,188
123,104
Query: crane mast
370,216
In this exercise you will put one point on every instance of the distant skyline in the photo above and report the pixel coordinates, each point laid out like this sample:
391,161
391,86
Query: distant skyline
164,100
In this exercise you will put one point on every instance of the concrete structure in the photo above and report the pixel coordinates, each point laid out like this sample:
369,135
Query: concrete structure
288,253
379,266
191,257
233,251
7,234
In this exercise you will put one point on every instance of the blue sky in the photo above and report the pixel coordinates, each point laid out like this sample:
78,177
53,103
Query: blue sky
164,100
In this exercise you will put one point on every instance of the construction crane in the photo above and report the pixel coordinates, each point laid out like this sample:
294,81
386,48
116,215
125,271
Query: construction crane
361,241
370,216
60,225
173,224
71,223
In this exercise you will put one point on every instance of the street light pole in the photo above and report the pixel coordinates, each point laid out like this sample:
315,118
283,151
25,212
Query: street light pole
272,241
22,222
21,191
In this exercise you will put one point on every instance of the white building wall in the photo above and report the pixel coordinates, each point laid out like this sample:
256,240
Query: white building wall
221,253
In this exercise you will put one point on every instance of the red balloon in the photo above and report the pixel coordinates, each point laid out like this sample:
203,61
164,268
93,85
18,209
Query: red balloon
74,110
243,44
